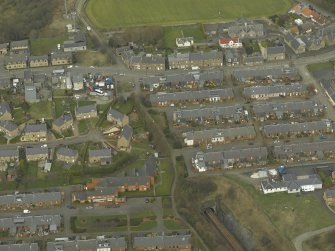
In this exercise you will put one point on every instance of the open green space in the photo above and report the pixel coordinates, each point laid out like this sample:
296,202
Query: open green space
3,140
94,224
159,118
124,107
163,187
85,124
61,92
143,221
108,14
90,58
320,66
172,32
37,113
64,105
43,46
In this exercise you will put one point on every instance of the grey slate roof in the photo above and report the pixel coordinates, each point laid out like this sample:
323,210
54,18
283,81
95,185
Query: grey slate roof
61,55
4,108
102,153
195,56
242,153
19,43
329,86
275,89
4,82
89,244
65,151
63,119
37,150
213,133
86,109
127,132
38,58
9,153
8,125
191,95
297,127
275,49
163,241
30,93
118,181
116,114
31,128
275,72
30,198
19,247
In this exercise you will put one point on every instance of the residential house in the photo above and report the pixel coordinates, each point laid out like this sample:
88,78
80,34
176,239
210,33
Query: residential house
34,132
9,156
278,111
329,196
313,43
253,59
30,200
303,129
100,156
304,151
30,94
126,136
19,47
232,57
147,62
242,157
20,247
100,195
184,42
219,136
61,58
246,29
4,83
37,153
292,184
117,117
296,44
211,96
99,244
67,155
4,48
86,112
15,62
179,242
195,60
233,42
31,225
274,91
9,128
327,34
5,111
38,61
78,82
127,183
218,114
63,122
78,43
273,53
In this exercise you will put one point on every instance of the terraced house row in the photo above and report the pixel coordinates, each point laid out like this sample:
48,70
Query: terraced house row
258,156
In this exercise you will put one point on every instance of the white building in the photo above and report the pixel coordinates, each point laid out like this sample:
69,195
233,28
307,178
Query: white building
230,43
183,42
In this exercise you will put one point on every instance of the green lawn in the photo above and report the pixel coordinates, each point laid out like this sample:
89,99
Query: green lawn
107,14
85,124
43,46
171,33
18,115
173,224
93,224
124,107
143,221
3,140
62,92
320,66
166,177
64,105
36,111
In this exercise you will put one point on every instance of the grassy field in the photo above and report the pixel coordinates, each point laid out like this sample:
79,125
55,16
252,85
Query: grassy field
143,221
88,58
325,242
85,124
92,224
320,66
62,105
107,14
43,46
36,112
171,33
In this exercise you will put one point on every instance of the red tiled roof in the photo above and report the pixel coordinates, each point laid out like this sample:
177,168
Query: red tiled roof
226,40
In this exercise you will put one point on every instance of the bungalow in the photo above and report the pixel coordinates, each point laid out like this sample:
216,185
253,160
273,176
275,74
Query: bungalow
63,122
61,58
86,112
38,61
9,128
274,91
37,153
28,200
123,142
15,62
117,117
78,43
184,42
9,156
100,156
181,242
217,136
19,47
67,155
20,247
5,111
35,132
99,244
292,130
230,42
212,96
30,94
4,48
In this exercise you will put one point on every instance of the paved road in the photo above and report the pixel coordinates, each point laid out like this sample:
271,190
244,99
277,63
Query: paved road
298,241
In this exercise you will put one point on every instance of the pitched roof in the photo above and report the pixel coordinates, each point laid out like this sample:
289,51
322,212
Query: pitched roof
63,119
227,40
66,151
102,153
8,125
116,114
35,128
4,108
127,132
86,109
37,150
161,241
297,127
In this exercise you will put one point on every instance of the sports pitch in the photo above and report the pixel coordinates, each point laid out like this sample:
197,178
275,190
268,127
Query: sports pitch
106,14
